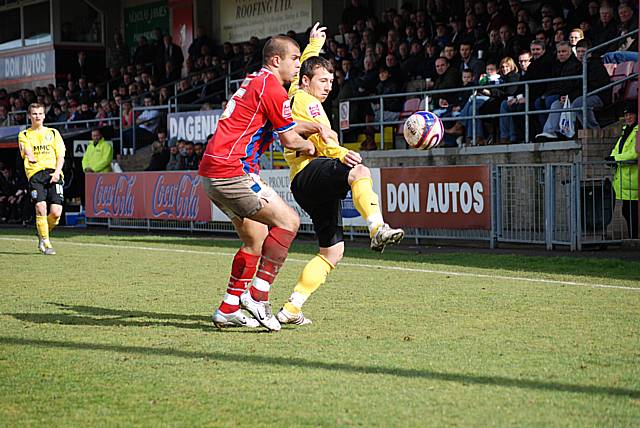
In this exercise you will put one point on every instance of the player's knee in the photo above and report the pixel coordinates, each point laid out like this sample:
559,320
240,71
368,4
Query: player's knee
334,253
293,222
41,208
359,171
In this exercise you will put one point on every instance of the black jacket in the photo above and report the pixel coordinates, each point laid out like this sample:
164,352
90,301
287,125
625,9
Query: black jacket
450,79
538,69
597,77
570,67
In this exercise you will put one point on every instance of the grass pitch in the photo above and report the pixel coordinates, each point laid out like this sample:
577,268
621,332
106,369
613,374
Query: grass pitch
115,331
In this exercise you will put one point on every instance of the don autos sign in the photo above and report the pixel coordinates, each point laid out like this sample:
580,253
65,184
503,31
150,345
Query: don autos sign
456,197
18,70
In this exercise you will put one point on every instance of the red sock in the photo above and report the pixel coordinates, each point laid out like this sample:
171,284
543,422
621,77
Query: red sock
274,252
242,271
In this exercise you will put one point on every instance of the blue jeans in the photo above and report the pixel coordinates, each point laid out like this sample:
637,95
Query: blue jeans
593,102
507,124
468,123
619,56
545,104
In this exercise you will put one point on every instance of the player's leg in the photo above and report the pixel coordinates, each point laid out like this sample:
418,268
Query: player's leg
311,278
318,189
367,203
42,226
55,211
39,195
243,268
284,224
236,200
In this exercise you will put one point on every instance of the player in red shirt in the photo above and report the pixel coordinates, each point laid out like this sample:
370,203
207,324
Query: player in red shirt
229,175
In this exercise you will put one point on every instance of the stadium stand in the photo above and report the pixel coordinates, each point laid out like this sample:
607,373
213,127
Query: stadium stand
406,41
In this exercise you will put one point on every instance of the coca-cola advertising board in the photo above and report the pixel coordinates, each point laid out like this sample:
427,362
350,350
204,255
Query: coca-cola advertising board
455,197
147,195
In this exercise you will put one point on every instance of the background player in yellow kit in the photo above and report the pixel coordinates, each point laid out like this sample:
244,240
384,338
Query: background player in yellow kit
43,151
321,181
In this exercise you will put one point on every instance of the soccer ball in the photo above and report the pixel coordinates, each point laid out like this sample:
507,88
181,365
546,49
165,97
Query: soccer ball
423,130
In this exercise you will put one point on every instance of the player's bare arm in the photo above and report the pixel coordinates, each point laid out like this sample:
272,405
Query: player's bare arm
310,128
26,153
291,140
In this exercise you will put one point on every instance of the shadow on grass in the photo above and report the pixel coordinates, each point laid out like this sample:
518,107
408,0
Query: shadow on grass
19,253
287,362
107,317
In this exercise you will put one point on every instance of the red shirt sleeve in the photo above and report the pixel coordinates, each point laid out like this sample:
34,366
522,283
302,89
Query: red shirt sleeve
276,106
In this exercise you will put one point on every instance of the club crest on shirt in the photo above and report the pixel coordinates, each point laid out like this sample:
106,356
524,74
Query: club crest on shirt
48,138
286,109
314,110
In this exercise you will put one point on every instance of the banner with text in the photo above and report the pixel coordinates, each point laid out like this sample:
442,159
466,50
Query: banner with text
27,68
194,126
141,21
242,19
456,197
278,180
147,195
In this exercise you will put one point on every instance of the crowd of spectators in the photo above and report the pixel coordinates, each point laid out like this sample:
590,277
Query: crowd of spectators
445,45
455,44
15,204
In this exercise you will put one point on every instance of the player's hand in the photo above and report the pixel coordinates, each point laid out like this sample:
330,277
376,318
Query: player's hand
311,149
317,32
55,177
327,134
352,159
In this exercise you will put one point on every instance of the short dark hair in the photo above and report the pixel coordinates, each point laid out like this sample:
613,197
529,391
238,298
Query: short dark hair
96,129
277,45
310,65
584,43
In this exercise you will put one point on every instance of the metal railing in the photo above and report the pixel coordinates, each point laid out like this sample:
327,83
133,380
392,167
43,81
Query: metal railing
474,116
585,91
527,113
571,205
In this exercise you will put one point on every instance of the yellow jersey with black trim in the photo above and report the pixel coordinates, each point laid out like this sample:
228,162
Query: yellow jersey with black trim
305,107
46,144
308,108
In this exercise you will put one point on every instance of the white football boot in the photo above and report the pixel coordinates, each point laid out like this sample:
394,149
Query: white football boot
261,311
234,319
41,246
285,317
385,235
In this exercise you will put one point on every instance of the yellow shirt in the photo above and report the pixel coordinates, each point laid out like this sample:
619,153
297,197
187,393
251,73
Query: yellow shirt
308,108
46,145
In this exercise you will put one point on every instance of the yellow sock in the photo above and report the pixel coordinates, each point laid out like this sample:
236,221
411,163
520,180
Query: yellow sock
366,202
313,276
43,227
52,221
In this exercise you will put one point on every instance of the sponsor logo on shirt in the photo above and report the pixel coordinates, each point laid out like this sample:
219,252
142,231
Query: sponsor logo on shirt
286,109
314,110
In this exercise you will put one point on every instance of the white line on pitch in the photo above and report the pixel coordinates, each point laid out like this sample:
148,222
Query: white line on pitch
360,265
